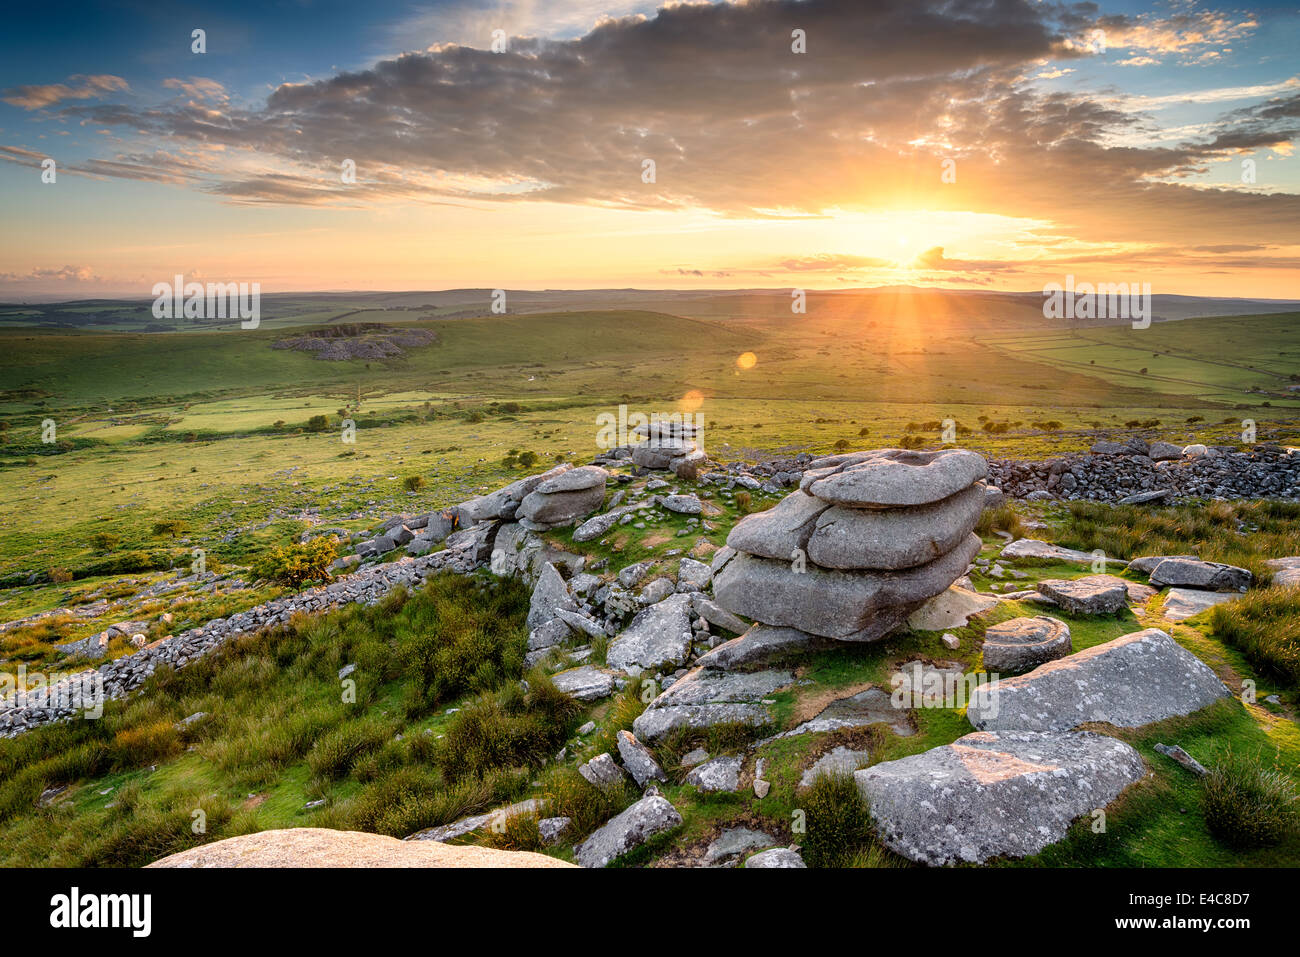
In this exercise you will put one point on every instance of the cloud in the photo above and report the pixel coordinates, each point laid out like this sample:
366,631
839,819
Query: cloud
76,88
66,274
738,124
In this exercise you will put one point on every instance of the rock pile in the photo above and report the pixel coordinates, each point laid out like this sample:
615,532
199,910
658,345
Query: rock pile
866,539
669,444
1141,472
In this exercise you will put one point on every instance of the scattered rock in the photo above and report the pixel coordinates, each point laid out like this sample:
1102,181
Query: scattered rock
648,817
994,794
1128,682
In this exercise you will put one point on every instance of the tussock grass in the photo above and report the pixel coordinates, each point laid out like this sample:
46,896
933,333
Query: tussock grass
517,726
1265,625
838,823
1003,518
1249,805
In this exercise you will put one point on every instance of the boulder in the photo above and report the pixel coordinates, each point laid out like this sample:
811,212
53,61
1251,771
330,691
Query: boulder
778,531
648,817
776,857
1031,549
759,645
551,510
733,842
890,478
587,683
602,771
682,504
659,635
1128,682
549,594
1022,644
705,697
851,606
718,616
839,760
573,480
693,575
1086,596
1147,563
1164,452
994,794
598,525
1193,573
325,848
638,760
1286,571
952,608
872,706
720,774
1182,603
893,538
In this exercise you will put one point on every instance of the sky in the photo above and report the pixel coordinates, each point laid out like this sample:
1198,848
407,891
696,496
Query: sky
530,144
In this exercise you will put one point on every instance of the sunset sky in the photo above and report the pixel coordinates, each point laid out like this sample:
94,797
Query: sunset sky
1103,140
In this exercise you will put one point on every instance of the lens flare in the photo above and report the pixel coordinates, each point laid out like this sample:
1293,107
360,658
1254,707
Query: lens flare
746,360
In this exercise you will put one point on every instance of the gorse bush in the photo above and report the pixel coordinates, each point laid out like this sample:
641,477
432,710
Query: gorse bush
450,648
1247,805
294,565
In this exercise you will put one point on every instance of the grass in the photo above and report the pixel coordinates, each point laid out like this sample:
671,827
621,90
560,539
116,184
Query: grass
837,820
1236,533
1264,625
1249,805
282,729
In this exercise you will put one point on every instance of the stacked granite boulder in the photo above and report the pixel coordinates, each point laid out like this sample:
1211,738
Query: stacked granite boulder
863,543
669,444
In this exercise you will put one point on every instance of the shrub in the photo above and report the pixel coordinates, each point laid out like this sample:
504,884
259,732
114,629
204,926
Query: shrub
838,822
295,564
744,502
450,643
518,726
60,576
318,423
169,526
104,541
336,751
1247,805
413,483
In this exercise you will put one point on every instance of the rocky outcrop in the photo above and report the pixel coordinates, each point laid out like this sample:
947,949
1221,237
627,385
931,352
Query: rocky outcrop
1117,471
865,540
